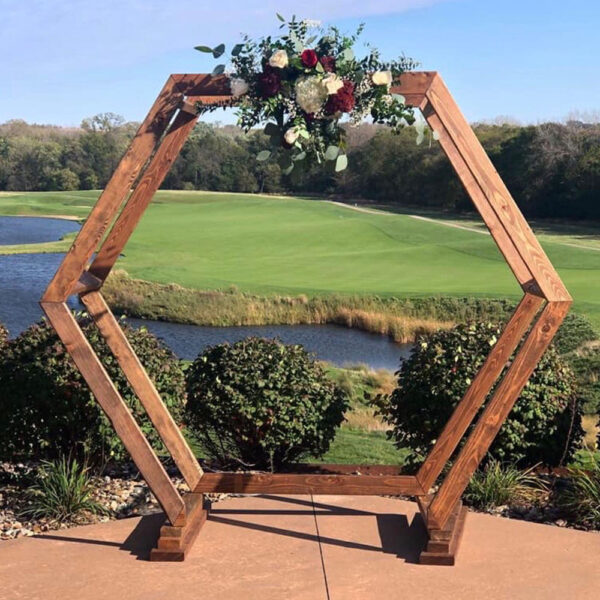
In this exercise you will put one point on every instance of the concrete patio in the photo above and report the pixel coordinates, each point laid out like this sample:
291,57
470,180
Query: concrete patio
284,548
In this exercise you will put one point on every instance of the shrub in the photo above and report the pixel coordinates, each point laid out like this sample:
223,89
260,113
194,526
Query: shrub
543,426
585,363
499,485
62,491
574,331
47,408
580,498
262,404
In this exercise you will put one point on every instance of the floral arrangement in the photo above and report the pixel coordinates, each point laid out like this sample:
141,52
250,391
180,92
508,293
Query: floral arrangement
302,84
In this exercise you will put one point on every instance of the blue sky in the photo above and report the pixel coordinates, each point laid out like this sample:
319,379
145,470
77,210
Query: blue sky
63,60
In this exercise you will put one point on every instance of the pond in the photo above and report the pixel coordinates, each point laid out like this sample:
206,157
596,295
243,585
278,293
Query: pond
25,276
33,230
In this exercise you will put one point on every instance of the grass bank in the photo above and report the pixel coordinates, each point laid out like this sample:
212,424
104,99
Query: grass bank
402,319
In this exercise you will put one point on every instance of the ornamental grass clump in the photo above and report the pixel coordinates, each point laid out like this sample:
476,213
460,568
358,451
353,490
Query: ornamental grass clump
260,404
63,491
579,499
499,485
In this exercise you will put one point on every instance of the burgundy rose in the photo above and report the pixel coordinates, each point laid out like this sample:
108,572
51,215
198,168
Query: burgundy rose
342,100
309,58
269,82
328,63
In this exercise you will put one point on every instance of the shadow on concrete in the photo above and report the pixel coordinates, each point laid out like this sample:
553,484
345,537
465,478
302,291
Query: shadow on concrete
397,536
138,543
143,538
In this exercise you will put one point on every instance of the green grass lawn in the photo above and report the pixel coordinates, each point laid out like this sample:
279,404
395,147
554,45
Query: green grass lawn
287,245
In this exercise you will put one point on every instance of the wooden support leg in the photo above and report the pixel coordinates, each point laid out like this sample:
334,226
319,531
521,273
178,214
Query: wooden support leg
442,544
175,542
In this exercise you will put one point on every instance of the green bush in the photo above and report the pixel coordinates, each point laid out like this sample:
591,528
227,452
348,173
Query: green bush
47,408
62,490
498,485
437,374
574,331
262,404
585,363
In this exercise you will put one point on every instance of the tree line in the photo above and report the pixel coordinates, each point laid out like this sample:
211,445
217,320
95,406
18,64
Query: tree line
552,169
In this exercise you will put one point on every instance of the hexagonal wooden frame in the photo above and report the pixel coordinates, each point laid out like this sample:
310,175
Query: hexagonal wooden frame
142,169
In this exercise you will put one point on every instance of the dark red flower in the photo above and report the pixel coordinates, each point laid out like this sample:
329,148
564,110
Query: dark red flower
269,82
342,100
328,63
309,58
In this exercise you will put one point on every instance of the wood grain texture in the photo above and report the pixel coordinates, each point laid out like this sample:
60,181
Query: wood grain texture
174,543
496,412
143,388
284,483
142,195
115,408
443,552
114,193
496,192
467,408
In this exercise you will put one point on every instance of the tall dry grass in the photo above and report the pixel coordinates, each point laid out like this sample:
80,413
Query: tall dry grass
402,319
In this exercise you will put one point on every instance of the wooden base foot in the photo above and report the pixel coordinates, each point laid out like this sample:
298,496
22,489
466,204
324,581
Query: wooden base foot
442,544
175,542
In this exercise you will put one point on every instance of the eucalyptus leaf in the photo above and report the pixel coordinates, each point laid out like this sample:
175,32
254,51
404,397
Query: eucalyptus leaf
206,49
280,17
263,155
237,49
218,50
347,54
299,156
219,70
303,133
319,68
399,98
332,152
288,169
341,163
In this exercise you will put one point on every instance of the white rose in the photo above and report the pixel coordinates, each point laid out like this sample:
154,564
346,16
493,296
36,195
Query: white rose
310,94
382,77
238,86
332,83
279,59
291,135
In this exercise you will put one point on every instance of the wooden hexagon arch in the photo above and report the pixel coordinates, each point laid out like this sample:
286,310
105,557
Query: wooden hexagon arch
530,329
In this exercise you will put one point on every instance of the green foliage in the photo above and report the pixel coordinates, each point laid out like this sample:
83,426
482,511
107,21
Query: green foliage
585,363
543,426
574,331
62,491
47,408
285,84
580,498
499,485
262,404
